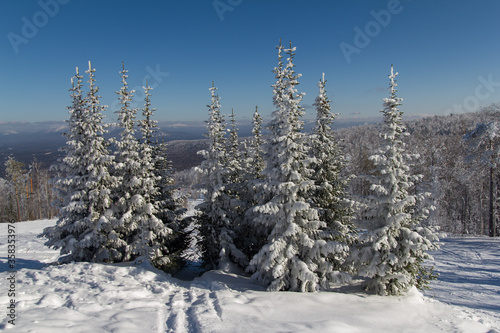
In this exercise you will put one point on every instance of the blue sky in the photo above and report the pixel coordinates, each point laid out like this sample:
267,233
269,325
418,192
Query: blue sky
447,53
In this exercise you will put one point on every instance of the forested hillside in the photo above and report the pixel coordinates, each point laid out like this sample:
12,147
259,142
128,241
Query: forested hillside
456,171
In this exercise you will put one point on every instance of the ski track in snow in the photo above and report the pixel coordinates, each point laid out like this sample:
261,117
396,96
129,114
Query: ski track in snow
88,297
193,310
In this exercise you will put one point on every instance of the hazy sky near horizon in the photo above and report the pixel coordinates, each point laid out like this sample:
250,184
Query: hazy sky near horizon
447,53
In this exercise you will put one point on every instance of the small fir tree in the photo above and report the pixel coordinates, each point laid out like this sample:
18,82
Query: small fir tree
166,200
257,163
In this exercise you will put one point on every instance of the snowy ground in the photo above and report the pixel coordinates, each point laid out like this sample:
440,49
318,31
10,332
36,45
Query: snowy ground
85,297
469,277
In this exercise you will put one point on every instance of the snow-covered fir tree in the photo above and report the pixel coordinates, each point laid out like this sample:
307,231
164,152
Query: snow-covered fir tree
233,160
136,223
258,191
84,183
236,199
234,188
257,163
295,256
250,239
168,202
216,225
148,125
392,252
329,194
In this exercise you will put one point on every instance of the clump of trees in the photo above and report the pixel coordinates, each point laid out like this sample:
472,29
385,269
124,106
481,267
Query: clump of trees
114,206
298,223
284,207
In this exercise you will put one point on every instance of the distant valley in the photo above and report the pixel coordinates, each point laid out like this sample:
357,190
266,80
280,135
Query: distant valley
42,140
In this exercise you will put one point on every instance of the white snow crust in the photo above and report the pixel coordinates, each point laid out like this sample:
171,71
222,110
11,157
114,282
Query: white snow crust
89,297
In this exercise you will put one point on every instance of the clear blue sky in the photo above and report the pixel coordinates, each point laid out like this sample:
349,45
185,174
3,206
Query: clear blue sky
446,52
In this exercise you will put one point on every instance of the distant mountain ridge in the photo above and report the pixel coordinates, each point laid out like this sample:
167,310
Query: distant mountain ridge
42,140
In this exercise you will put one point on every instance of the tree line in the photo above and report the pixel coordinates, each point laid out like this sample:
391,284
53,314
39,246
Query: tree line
458,155
279,208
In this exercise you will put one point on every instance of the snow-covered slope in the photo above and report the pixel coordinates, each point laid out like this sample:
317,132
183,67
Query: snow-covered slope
469,277
85,297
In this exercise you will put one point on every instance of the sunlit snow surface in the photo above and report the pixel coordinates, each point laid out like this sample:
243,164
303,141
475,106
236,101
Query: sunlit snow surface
85,297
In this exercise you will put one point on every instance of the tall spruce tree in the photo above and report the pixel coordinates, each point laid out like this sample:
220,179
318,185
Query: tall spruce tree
215,219
166,199
392,252
258,191
84,183
294,258
143,233
329,195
